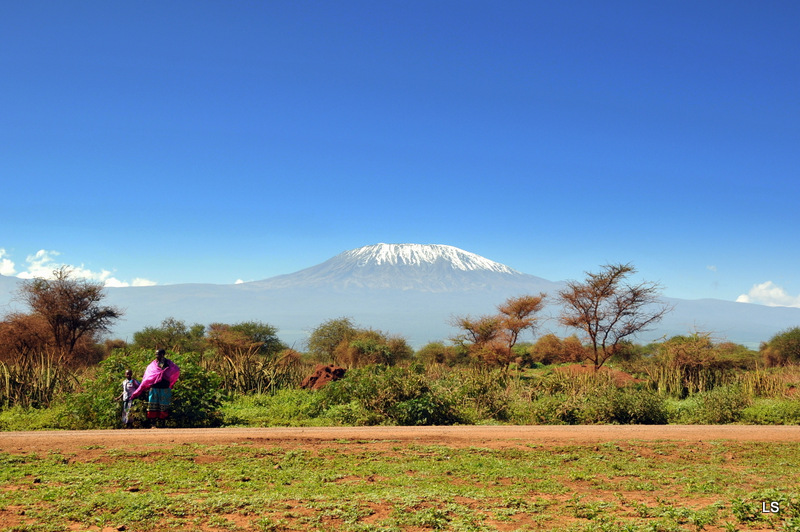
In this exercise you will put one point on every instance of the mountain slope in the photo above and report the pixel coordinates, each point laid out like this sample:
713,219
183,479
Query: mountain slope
427,268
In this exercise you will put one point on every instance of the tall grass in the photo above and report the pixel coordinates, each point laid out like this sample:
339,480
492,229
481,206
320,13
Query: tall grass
677,383
681,382
35,381
770,382
247,371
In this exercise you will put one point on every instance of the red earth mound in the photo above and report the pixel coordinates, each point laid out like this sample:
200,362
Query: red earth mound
322,375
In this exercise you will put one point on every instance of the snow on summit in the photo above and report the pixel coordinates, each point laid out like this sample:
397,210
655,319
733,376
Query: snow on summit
406,267
419,254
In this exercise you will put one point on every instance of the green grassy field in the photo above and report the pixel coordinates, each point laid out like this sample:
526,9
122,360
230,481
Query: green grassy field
380,485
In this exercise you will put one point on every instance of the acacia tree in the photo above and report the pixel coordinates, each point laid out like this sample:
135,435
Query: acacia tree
326,337
71,308
518,314
783,348
173,335
39,350
608,309
369,346
491,339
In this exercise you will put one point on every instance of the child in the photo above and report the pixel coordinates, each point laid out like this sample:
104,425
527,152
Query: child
128,386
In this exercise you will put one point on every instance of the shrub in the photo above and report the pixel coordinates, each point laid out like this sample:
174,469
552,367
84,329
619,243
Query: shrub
549,410
486,393
24,418
550,349
369,347
602,404
284,408
724,404
197,396
783,348
641,407
352,414
687,365
391,395
772,412
614,405
427,409
439,353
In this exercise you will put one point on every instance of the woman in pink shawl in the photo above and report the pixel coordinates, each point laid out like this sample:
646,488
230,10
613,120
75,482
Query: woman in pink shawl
159,377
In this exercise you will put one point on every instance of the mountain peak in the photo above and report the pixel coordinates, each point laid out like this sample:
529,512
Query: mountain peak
423,254
420,267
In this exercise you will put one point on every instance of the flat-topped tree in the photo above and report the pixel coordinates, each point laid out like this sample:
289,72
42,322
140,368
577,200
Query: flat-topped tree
72,308
609,310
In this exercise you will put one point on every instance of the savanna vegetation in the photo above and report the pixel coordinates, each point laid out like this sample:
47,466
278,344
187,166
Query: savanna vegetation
57,371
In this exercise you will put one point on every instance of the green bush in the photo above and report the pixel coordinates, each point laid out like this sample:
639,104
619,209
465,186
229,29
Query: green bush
390,395
285,408
352,414
551,410
772,412
480,396
783,348
23,418
637,407
427,409
600,405
196,398
724,404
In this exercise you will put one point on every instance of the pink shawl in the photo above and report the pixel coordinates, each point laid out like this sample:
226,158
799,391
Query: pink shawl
154,374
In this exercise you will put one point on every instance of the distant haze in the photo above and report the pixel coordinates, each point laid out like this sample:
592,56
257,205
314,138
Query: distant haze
412,290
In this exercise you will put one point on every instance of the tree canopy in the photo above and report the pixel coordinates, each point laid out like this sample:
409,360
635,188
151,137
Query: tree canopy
490,339
71,307
609,309
783,348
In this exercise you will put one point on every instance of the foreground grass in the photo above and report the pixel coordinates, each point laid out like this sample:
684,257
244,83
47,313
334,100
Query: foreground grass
365,485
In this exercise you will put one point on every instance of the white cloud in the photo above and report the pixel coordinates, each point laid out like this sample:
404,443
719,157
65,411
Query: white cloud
769,294
238,281
6,266
712,268
43,265
40,265
113,282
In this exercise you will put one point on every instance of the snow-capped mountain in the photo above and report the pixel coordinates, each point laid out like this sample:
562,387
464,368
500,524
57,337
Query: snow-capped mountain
424,267
421,255
408,289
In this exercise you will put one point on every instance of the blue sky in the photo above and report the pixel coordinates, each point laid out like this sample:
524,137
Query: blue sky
176,142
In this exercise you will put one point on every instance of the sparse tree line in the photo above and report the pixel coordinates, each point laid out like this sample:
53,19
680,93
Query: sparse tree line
52,360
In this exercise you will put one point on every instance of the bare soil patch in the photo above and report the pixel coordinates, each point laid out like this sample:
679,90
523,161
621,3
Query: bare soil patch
494,436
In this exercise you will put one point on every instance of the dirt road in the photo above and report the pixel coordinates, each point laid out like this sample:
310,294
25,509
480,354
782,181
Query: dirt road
459,436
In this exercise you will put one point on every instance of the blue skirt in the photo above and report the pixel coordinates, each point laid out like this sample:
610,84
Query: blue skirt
159,399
